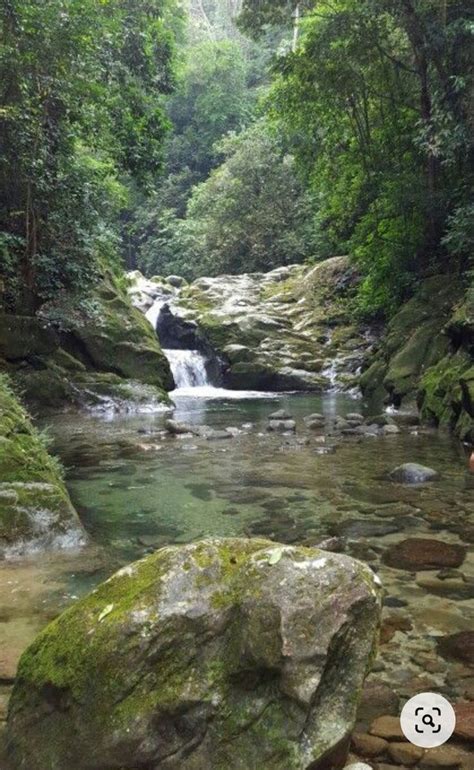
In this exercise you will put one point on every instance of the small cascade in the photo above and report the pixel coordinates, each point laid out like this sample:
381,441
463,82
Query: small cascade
188,368
153,313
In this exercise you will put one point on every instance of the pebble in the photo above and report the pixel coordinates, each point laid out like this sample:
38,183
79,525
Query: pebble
387,727
441,756
368,745
459,646
405,753
464,720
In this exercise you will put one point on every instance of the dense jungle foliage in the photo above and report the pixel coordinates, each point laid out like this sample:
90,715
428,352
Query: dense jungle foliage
230,135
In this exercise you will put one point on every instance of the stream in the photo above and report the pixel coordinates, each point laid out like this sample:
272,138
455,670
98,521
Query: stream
137,488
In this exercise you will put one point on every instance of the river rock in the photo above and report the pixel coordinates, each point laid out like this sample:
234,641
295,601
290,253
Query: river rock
464,720
405,753
366,745
177,428
390,430
280,414
219,654
420,553
177,281
446,757
378,699
355,417
413,473
282,425
316,417
459,646
387,727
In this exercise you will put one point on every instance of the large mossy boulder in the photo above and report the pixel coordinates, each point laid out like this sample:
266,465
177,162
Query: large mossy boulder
108,334
427,354
35,509
84,349
218,655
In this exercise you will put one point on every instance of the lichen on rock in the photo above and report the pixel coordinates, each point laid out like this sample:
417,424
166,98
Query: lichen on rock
218,655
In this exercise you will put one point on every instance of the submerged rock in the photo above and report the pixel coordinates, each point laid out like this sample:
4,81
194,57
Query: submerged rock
178,428
413,473
282,425
220,654
421,553
280,414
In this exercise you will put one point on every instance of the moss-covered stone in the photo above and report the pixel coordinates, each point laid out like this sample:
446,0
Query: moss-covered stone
213,656
35,509
55,357
427,353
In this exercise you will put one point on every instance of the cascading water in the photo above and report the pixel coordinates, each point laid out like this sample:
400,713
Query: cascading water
193,370
188,368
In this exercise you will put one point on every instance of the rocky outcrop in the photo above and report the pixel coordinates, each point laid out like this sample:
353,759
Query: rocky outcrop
85,351
35,509
427,354
288,329
218,655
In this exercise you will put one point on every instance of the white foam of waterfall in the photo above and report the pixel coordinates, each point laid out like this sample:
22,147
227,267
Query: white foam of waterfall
189,371
188,368
153,313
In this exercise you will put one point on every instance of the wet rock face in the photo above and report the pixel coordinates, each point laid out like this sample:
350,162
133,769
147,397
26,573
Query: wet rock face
426,353
35,509
288,329
217,655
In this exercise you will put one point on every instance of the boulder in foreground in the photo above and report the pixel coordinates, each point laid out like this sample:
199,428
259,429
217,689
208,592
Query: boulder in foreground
222,654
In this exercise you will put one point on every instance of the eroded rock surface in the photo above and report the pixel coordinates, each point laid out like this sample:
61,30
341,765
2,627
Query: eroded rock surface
222,654
288,329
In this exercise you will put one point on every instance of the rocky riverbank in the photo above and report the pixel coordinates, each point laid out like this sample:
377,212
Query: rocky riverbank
95,351
292,329
35,509
288,329
427,355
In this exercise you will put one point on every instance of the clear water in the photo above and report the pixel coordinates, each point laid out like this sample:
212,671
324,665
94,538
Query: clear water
137,488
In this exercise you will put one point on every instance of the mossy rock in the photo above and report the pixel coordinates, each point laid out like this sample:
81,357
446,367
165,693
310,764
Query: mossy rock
36,516
219,655
24,336
424,347
446,395
117,338
35,509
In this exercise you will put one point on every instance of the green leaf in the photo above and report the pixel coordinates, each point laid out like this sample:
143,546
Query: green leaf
275,556
106,611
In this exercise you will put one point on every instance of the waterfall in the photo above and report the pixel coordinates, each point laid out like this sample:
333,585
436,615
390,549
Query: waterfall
153,313
188,368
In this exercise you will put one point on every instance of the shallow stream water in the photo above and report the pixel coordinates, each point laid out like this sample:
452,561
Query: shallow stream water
137,488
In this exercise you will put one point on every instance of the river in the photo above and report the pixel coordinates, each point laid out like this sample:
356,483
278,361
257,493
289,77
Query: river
138,488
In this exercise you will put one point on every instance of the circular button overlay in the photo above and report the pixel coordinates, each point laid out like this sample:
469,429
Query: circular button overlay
428,720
